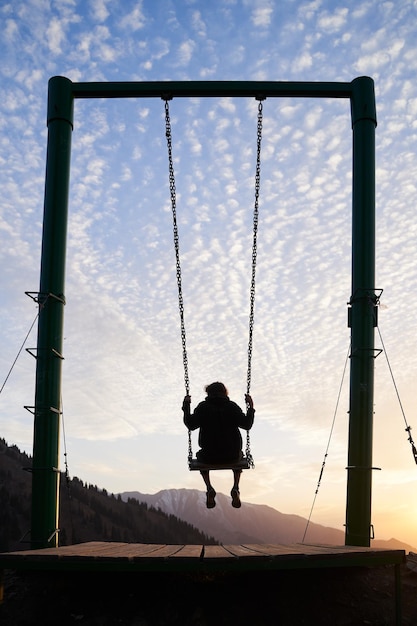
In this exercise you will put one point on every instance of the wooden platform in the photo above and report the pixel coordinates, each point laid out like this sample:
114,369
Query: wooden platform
198,562
108,556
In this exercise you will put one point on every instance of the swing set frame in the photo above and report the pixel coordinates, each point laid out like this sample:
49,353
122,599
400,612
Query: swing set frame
362,305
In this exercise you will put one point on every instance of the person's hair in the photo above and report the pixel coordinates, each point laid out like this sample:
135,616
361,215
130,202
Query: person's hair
216,389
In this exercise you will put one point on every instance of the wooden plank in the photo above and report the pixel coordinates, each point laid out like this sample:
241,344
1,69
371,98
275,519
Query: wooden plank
274,549
126,550
325,556
139,550
243,551
93,549
346,549
216,552
332,548
189,552
82,549
161,552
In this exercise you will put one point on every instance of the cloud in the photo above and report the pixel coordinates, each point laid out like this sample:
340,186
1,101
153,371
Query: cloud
199,24
304,61
99,10
308,10
262,15
155,50
11,30
93,45
55,35
185,52
135,20
332,22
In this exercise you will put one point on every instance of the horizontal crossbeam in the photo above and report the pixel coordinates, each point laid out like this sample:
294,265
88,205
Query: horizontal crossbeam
215,89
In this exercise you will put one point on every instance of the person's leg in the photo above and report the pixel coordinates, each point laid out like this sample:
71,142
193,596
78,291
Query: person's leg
211,494
236,477
206,477
235,490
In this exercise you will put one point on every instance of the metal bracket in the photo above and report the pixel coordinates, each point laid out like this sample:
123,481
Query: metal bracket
371,531
28,532
372,293
31,351
41,469
41,297
360,467
377,352
33,409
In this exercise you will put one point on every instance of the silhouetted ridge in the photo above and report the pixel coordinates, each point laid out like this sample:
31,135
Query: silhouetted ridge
87,513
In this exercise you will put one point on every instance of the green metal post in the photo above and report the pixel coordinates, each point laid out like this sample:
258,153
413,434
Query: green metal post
362,315
45,473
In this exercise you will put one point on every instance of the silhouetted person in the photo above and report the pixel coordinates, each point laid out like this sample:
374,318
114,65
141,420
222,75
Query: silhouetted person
219,420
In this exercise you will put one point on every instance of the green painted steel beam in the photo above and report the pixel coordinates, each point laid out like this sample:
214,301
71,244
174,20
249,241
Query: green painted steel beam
212,89
45,475
363,316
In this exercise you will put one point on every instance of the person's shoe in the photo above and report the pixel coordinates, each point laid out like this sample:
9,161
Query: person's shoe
235,498
211,502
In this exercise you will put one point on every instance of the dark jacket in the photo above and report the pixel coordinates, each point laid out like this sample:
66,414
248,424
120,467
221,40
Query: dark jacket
219,420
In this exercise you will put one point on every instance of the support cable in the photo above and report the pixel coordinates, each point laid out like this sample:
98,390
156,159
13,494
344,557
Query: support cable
328,443
18,354
67,476
408,428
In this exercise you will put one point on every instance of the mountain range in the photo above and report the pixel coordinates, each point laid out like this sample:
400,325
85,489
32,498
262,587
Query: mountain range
177,516
252,523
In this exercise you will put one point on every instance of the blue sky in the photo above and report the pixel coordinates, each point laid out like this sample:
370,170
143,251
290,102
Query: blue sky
122,375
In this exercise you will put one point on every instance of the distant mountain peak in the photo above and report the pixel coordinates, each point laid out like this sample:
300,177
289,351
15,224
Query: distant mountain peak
253,523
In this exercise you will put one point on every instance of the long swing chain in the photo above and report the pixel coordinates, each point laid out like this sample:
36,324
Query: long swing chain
248,452
255,242
173,193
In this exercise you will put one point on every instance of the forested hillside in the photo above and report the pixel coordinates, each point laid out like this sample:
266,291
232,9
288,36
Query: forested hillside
87,513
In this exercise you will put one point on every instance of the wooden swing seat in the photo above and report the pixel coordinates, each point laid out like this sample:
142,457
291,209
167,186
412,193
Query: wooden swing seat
196,465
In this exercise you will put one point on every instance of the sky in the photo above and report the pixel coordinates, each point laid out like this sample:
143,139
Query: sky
123,379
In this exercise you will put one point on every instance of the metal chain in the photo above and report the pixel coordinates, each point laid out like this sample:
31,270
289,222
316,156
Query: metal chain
255,242
190,447
248,452
173,194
